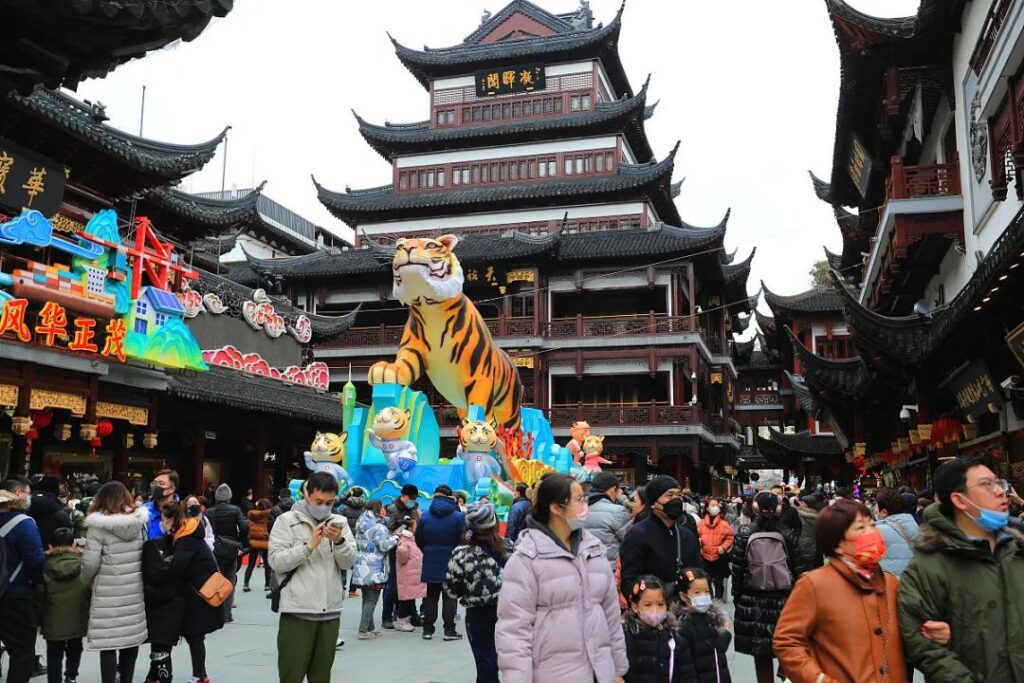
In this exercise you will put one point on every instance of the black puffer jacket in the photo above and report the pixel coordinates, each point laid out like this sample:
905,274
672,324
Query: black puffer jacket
165,604
705,639
282,507
227,520
810,558
758,611
648,651
351,508
50,514
193,563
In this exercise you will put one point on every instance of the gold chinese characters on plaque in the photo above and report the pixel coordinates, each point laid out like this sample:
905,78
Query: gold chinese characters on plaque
8,395
42,398
523,361
133,414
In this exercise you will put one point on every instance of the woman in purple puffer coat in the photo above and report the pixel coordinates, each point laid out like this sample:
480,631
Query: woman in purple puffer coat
558,610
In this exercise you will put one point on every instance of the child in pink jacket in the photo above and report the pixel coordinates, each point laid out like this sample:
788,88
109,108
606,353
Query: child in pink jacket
409,559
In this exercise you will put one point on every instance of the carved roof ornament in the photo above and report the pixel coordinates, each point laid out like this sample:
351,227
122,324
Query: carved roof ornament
485,17
979,139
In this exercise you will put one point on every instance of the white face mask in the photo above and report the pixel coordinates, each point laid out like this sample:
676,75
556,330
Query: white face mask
700,603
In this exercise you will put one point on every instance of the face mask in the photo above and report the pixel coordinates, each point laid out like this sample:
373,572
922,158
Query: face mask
318,512
700,603
28,502
192,511
714,511
654,618
157,493
166,527
869,549
989,520
673,509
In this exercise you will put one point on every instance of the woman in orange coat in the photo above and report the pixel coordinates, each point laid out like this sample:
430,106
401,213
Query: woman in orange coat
716,536
259,538
840,622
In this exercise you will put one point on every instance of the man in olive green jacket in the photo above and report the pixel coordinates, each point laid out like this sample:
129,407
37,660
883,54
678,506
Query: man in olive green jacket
968,572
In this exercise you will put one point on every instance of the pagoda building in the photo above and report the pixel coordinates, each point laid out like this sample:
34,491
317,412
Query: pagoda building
534,154
929,275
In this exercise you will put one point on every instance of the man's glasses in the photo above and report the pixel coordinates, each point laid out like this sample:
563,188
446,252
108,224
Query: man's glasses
993,485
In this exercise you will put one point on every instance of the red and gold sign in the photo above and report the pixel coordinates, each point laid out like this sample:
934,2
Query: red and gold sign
54,329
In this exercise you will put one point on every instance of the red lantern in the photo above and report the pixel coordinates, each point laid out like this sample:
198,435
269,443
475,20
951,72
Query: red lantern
104,428
41,419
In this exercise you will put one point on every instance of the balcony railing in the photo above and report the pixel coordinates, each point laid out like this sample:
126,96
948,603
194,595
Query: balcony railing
932,180
578,327
652,413
989,33
758,398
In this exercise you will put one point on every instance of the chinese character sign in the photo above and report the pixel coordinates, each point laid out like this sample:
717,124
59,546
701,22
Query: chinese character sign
508,80
29,181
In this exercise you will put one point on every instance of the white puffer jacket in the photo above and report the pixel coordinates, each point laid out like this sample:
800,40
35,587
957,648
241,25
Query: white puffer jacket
112,566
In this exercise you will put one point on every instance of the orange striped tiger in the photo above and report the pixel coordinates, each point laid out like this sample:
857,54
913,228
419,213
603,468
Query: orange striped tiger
446,336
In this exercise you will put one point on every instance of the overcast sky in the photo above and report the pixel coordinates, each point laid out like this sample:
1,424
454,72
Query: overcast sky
748,86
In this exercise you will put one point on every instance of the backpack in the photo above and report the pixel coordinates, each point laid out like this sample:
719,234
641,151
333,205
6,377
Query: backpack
5,578
767,562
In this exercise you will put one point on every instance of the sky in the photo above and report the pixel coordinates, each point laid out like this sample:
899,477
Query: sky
748,87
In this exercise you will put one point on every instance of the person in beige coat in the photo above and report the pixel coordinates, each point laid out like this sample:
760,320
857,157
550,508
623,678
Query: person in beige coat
309,548
112,567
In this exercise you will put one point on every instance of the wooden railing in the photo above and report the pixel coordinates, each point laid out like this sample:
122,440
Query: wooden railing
989,34
560,328
754,398
652,413
932,180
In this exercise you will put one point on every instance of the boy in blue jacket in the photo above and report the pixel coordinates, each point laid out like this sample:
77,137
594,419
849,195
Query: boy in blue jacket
23,549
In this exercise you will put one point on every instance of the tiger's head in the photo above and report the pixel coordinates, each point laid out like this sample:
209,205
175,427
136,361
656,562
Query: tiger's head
579,431
593,444
391,423
329,447
478,436
426,269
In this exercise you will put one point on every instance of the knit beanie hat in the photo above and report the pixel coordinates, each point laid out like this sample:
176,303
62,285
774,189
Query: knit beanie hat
223,494
656,487
47,484
480,516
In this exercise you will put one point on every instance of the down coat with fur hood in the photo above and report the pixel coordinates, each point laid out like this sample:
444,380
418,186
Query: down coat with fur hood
112,566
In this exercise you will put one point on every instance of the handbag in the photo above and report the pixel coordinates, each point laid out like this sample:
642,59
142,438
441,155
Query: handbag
216,590
226,549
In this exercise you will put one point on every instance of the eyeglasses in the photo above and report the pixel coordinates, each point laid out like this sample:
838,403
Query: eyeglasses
993,485
577,499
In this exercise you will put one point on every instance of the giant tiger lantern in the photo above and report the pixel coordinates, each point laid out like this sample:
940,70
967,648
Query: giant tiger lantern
447,339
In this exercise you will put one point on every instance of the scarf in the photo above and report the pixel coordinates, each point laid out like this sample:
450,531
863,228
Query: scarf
187,529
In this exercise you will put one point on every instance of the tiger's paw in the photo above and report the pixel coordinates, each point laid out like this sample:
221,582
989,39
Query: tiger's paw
384,372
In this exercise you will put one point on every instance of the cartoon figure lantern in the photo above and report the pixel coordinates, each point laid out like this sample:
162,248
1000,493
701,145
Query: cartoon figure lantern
593,446
327,454
476,442
387,433
446,337
579,431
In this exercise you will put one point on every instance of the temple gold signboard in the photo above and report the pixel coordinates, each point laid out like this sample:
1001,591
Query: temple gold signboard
509,80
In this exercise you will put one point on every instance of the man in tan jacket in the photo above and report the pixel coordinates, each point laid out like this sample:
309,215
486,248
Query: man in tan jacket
309,548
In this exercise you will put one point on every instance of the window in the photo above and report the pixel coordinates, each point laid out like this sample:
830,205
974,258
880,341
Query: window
517,110
536,107
466,114
503,169
484,173
533,168
599,163
140,325
450,117
513,171
558,105
430,178
487,113
586,102
494,172
403,181
574,103
423,179
568,166
609,160
456,176
549,106
141,308
476,173
579,164
551,167
506,111
522,170
440,118
160,319
465,175
543,172
476,114
589,163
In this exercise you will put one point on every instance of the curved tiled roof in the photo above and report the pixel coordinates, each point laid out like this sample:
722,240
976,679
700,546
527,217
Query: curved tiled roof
63,43
848,378
811,301
626,115
384,203
554,22
164,160
464,58
766,323
802,444
822,189
738,272
663,239
803,394
834,260
235,389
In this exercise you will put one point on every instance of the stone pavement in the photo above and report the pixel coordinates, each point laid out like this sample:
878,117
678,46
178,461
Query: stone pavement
245,651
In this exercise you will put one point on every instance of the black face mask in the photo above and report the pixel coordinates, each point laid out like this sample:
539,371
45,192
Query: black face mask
157,493
673,509
192,511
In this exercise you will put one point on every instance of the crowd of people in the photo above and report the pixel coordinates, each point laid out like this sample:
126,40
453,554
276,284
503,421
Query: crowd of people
585,583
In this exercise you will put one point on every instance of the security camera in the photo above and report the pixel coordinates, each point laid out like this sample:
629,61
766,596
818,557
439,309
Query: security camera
1011,382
